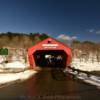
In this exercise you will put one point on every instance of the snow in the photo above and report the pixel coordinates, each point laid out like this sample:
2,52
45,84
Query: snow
10,77
1,66
2,58
15,64
85,66
93,80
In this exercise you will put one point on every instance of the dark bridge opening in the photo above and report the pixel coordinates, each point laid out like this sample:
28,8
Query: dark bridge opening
50,58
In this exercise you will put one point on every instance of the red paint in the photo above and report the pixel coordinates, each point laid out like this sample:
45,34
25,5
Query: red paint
41,46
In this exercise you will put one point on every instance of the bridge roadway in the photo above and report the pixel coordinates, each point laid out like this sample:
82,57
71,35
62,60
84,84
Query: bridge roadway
50,84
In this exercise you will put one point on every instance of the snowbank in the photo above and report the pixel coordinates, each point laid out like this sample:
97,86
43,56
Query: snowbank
86,66
15,64
6,78
92,79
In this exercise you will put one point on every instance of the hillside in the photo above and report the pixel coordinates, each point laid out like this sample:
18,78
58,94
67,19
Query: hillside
86,56
16,40
86,50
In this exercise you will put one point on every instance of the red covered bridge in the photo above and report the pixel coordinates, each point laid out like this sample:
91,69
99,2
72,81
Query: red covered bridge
49,53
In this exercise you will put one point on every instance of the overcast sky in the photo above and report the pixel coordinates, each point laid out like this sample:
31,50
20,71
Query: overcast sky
78,18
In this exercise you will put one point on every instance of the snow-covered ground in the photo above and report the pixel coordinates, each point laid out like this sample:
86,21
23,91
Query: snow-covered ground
93,80
11,77
85,65
15,64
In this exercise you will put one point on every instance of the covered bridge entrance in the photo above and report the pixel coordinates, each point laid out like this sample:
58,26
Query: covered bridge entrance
49,53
